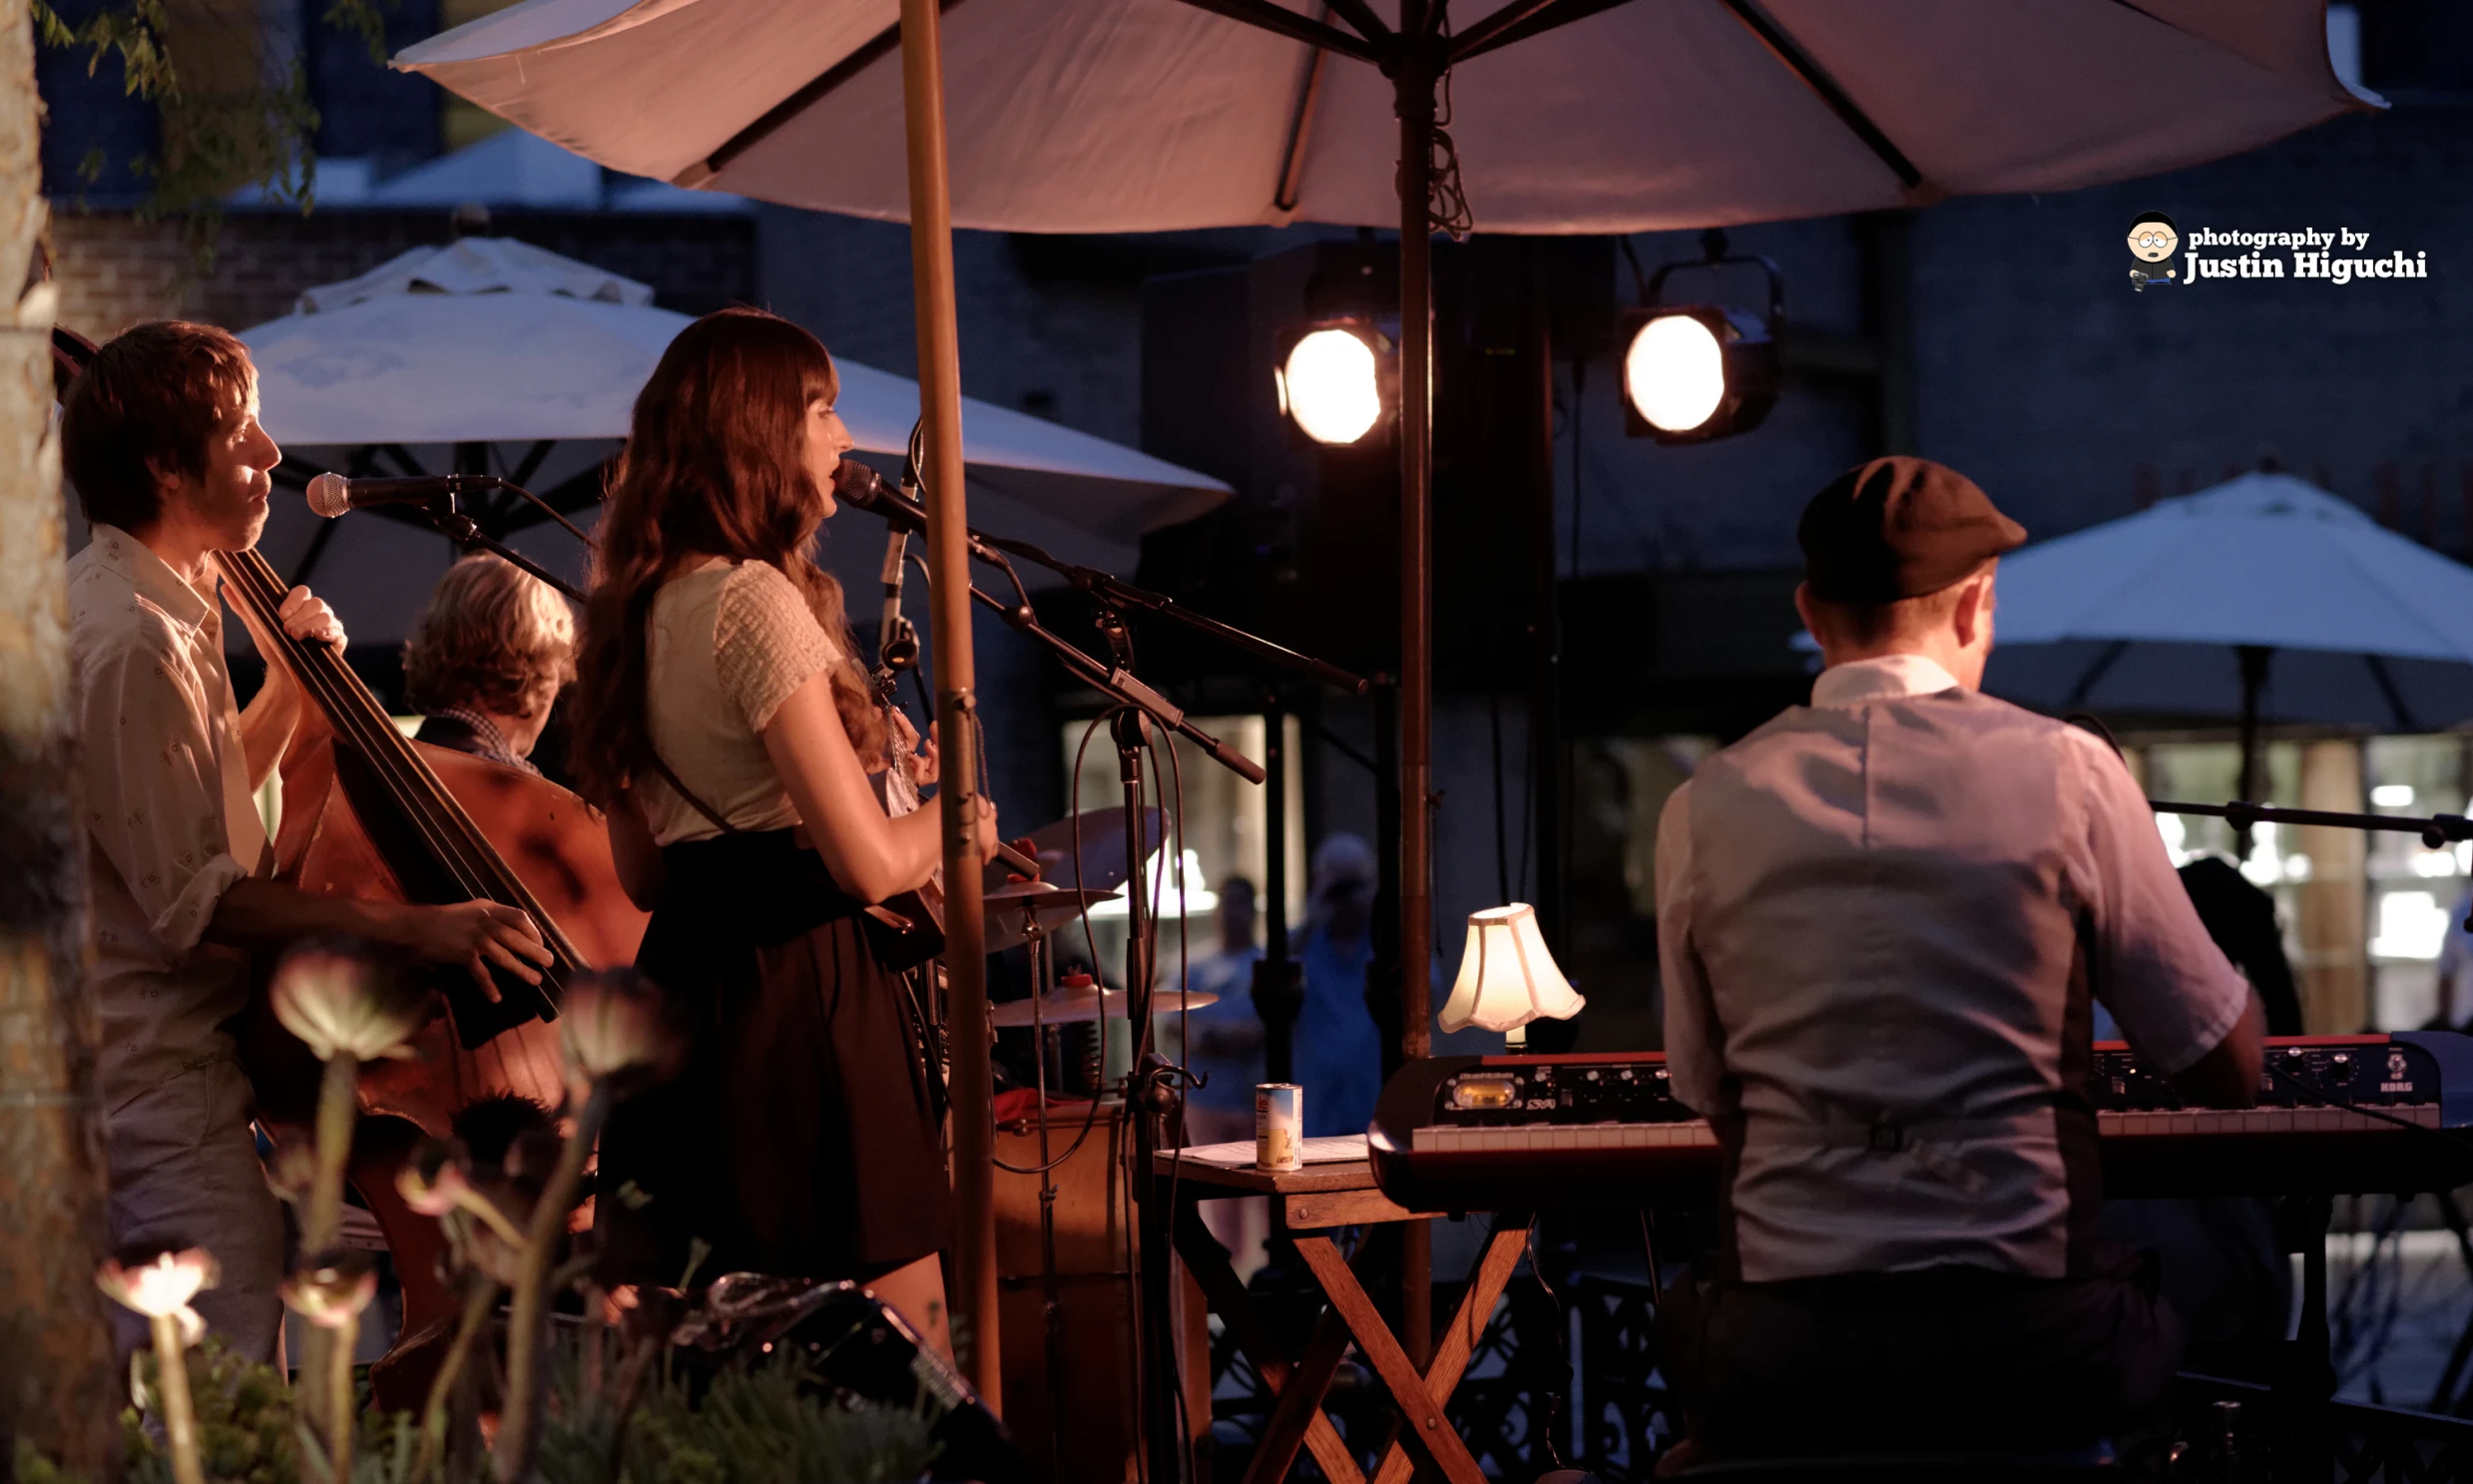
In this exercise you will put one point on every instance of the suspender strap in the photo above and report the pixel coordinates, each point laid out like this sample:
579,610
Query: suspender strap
680,789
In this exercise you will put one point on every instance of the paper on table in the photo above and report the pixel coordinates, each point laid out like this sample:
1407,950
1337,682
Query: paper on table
1334,1149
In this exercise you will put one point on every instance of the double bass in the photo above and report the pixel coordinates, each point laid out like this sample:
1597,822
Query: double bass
369,814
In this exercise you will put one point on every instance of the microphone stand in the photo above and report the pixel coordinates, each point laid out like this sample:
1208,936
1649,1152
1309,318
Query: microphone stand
447,518
1153,1095
2437,832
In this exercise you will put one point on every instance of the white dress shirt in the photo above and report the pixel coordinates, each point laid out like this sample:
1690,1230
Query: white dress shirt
1870,915
171,819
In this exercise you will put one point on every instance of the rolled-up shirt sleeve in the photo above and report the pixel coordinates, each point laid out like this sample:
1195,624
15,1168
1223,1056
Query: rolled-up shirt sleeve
2171,989
154,789
1694,1046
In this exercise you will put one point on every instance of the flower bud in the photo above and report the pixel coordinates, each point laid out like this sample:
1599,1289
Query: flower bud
432,1181
342,1002
330,1289
617,1027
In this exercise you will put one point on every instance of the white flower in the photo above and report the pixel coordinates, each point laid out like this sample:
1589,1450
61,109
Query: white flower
161,1289
342,1002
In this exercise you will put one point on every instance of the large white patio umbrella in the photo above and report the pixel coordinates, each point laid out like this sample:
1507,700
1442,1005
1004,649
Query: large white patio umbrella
2261,587
493,340
1562,115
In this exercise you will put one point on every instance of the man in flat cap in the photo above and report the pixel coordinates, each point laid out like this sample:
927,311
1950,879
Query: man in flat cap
1884,919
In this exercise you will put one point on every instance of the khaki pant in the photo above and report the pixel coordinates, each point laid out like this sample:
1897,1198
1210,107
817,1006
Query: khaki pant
185,1173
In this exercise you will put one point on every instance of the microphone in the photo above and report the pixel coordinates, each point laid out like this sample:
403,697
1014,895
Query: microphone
333,494
863,488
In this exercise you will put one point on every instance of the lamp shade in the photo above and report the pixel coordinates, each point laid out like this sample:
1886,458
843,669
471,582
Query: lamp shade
1507,978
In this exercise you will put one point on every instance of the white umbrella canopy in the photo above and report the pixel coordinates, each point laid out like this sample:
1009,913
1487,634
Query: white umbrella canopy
1150,115
2149,613
491,341
494,341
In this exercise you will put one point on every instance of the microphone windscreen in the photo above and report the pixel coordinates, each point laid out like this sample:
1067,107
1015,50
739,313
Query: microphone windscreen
330,495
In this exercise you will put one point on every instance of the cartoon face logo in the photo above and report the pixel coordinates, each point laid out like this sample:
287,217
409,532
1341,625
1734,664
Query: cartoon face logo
2153,239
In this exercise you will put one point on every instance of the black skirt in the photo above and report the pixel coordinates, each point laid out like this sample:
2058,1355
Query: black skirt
800,1139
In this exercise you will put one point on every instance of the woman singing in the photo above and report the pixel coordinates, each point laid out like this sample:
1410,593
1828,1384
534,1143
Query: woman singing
722,719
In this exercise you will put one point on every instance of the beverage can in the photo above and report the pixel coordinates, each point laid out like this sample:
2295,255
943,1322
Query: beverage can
1278,1126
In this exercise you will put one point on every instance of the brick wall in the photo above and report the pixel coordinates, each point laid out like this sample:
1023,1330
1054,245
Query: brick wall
113,269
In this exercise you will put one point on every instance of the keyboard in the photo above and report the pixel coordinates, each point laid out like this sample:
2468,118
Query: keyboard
2335,1115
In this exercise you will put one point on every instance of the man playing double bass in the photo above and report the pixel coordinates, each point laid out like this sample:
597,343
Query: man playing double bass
160,436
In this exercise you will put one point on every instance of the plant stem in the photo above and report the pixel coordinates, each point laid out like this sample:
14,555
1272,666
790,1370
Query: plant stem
340,1415
479,1295
338,1099
321,1218
180,1416
511,1459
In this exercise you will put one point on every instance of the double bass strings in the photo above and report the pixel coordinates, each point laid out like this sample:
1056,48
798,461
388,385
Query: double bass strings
449,832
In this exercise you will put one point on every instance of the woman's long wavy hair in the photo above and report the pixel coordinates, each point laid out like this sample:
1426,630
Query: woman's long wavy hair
713,466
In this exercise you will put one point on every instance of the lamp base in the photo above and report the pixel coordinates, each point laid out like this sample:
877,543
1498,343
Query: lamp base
1516,1040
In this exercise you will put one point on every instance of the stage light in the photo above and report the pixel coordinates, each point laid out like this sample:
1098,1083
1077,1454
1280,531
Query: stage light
1674,373
1340,380
1695,373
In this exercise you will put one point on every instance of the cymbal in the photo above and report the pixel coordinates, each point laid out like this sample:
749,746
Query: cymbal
1103,848
1015,895
1009,907
1068,1006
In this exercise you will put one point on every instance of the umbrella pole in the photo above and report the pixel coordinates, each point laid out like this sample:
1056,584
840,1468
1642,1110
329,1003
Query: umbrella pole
2254,658
1418,68
973,1300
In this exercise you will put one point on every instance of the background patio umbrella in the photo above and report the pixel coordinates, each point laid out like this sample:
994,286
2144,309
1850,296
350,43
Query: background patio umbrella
1147,115
2208,604
491,351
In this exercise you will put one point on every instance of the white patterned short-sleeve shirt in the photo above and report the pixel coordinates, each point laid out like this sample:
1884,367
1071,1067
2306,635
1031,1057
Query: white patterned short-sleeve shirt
170,819
726,643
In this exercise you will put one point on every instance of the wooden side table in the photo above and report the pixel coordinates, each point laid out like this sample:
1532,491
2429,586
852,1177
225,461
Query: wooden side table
1306,1204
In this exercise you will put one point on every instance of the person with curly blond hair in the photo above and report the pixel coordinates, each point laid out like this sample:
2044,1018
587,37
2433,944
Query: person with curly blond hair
487,660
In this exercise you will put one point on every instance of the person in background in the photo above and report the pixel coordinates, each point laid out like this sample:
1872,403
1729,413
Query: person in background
1224,1045
1338,1046
2241,919
1223,1042
2455,1006
487,660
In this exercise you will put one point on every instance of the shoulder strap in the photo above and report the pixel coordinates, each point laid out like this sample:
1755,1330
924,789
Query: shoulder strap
701,808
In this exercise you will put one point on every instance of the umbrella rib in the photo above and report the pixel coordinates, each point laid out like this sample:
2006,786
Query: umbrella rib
1534,17
1288,23
2387,688
1361,16
1800,63
878,47
1301,125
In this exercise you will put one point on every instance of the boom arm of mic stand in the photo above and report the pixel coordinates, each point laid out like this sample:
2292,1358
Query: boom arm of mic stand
458,527
1124,687
2435,830
1125,594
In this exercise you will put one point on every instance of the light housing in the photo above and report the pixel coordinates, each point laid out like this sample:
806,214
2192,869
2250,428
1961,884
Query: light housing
1694,373
1507,976
1339,380
1697,372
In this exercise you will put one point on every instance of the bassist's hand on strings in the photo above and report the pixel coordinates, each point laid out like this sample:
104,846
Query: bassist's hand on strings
306,615
477,935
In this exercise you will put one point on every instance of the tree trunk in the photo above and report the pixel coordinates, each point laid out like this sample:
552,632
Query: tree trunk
56,1385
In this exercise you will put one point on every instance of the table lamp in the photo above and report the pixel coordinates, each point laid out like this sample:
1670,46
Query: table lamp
1507,978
